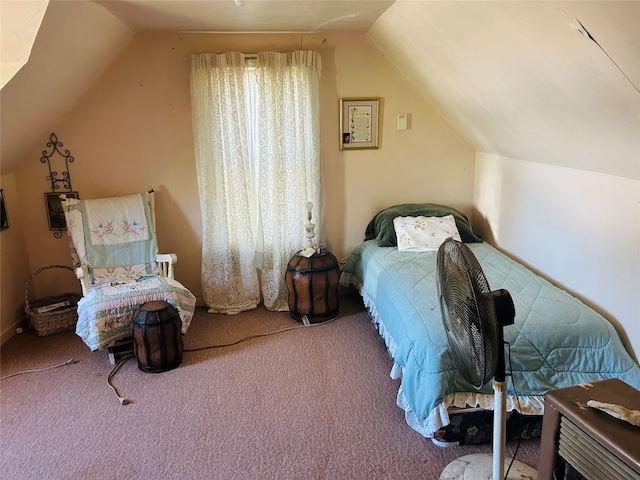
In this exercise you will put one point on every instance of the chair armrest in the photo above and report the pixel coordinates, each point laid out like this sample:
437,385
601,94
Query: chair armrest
165,263
82,274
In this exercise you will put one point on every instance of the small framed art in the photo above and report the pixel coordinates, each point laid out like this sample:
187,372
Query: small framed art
55,214
4,219
359,123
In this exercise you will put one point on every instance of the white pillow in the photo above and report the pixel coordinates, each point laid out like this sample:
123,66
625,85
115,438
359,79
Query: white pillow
424,234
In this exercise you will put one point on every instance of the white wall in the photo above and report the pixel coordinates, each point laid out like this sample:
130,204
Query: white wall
579,229
132,129
14,262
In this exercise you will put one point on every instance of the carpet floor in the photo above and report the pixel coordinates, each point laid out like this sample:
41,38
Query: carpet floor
310,403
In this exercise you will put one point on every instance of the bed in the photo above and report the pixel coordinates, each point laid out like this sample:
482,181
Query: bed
556,340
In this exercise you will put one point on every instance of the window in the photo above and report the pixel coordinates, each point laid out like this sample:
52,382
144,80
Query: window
256,141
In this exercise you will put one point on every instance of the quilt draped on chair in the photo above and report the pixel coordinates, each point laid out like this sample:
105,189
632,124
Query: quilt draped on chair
113,242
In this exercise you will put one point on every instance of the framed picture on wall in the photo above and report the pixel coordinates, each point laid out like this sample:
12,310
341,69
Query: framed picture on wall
4,219
55,214
359,124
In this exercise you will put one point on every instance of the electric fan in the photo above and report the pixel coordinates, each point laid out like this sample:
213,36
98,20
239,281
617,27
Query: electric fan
474,317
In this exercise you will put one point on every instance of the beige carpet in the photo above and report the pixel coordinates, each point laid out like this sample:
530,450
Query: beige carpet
312,403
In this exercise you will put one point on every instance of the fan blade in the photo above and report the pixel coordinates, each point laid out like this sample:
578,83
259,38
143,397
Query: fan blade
468,313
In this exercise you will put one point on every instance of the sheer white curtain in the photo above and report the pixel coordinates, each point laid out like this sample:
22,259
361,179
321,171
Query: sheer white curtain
256,171
229,281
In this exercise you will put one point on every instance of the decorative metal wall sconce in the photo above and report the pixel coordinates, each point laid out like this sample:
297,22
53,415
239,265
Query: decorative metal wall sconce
60,183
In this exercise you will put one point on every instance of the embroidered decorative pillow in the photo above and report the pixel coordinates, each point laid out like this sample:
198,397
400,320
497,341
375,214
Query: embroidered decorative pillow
424,234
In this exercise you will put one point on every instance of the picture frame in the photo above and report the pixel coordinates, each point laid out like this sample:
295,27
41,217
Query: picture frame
55,214
4,218
359,123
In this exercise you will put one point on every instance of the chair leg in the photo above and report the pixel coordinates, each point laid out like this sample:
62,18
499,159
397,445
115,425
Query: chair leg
119,349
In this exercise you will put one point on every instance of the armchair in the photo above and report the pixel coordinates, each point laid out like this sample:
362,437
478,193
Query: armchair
115,256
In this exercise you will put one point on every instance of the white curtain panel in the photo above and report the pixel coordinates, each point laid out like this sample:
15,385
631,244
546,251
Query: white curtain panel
289,162
229,280
256,173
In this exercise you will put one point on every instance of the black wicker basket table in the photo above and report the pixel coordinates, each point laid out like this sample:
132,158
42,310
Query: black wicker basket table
313,287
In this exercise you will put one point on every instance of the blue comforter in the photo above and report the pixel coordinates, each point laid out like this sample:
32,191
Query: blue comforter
556,340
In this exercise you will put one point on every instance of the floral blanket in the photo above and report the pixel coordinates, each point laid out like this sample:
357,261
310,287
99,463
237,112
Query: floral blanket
104,314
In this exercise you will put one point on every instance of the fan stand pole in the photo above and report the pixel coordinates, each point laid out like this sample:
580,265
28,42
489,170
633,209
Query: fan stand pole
499,428
499,409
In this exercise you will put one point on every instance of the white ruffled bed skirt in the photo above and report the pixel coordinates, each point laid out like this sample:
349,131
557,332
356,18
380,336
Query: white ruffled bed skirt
439,416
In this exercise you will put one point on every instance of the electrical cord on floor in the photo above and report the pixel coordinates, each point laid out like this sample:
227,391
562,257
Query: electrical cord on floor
268,334
19,323
126,358
71,361
114,370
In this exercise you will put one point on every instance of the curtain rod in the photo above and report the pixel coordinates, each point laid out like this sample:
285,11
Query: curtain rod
247,56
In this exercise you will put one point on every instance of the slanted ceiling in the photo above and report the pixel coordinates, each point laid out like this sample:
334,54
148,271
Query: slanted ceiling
550,82
75,43
20,24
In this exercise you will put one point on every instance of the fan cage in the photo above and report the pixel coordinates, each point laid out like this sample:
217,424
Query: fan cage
469,314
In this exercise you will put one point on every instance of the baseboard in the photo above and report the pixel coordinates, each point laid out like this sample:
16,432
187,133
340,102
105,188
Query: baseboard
7,334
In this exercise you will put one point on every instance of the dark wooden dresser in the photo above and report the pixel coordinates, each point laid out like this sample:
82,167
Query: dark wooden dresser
582,442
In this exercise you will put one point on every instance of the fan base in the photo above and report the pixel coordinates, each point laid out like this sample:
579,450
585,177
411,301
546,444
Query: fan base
480,467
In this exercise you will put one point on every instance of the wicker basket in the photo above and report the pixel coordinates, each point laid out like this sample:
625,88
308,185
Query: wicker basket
56,320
